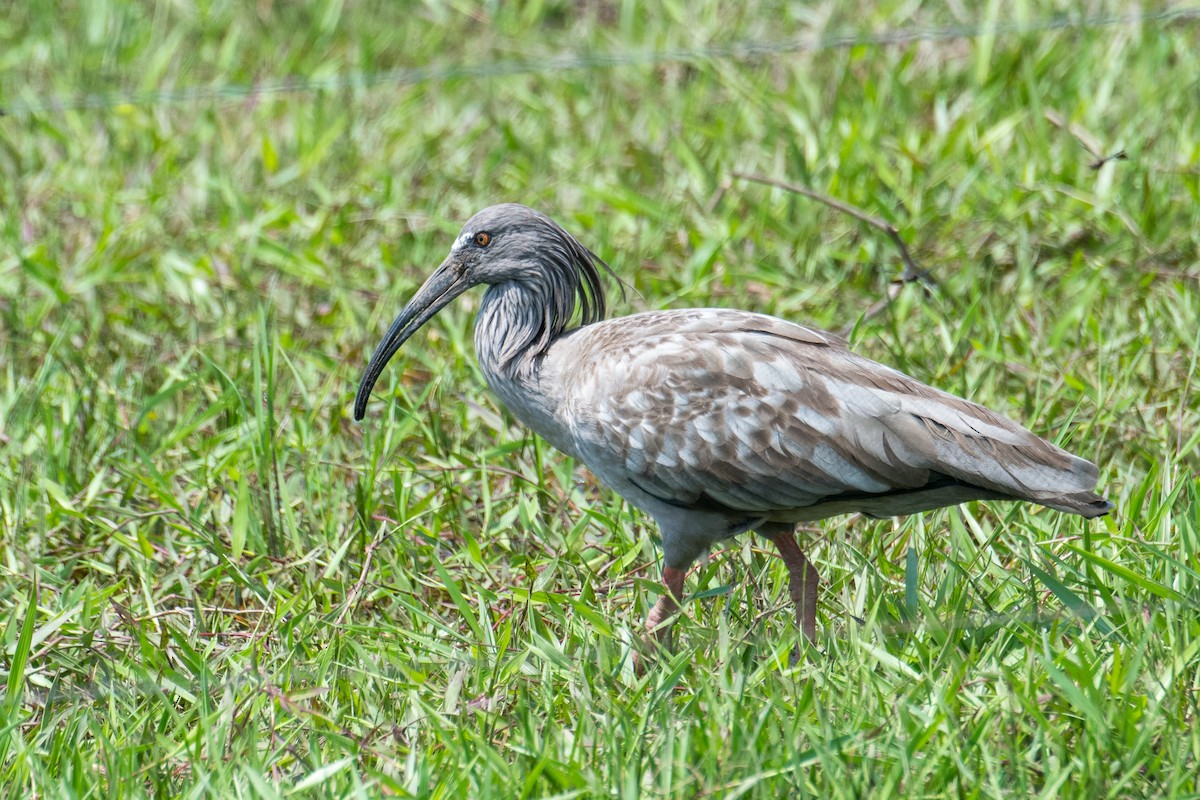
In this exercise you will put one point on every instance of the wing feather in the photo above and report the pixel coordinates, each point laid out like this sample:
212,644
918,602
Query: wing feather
753,414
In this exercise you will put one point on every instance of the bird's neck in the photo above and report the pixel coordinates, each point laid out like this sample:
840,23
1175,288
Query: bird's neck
514,328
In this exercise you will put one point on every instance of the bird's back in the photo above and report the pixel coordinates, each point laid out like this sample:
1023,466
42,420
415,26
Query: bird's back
729,411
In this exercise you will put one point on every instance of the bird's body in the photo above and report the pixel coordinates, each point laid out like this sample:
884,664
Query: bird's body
717,421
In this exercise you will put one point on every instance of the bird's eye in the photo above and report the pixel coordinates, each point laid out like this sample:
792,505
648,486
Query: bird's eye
483,239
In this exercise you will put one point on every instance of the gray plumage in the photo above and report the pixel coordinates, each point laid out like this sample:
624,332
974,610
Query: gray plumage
716,421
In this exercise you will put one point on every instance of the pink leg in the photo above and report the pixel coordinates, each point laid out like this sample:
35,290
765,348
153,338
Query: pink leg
658,624
803,578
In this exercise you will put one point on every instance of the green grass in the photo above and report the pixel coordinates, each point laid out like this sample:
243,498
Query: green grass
215,583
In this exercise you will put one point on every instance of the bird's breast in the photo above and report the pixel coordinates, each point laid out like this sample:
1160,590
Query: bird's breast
536,402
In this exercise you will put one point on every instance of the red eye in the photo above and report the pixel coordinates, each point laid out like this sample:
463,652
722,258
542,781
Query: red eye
483,239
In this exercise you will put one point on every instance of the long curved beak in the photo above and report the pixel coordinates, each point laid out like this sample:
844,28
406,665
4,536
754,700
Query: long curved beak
446,283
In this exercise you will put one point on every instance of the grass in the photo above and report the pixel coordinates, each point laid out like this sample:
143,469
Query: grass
214,583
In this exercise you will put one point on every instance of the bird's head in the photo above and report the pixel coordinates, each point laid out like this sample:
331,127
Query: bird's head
507,243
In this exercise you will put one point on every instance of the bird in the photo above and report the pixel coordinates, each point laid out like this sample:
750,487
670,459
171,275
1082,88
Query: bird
716,421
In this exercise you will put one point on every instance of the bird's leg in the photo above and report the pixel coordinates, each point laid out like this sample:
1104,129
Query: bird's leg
803,578
658,624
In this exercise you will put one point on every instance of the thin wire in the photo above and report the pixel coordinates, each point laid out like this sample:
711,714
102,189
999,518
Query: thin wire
742,50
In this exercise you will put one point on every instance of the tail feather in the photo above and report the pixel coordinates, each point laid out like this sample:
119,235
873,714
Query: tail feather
1085,504
978,447
1070,488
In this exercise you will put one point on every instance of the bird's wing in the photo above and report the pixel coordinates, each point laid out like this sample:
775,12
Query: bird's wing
732,410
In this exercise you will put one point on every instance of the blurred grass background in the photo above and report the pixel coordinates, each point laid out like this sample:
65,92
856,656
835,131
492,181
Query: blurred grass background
214,583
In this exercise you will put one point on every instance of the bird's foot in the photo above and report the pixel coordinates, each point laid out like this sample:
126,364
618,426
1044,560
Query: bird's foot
797,654
657,638
658,624
806,649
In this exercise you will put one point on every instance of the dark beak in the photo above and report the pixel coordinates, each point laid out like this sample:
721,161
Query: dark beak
445,284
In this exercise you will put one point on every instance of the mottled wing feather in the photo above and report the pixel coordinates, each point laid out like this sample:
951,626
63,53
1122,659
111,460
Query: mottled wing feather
745,412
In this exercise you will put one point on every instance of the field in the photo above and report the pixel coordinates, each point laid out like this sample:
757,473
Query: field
215,583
